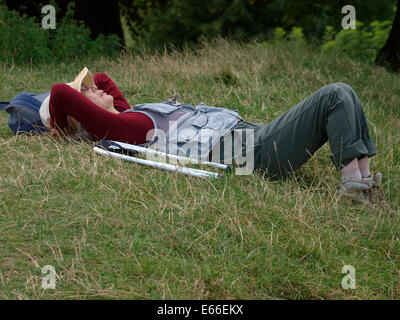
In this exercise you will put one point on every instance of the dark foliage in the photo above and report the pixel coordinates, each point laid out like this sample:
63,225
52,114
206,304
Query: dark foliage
101,17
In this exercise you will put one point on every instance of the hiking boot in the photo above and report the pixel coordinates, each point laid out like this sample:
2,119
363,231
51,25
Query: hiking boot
375,193
374,181
355,191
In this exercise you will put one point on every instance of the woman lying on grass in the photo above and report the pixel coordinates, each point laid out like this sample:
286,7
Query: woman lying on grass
333,113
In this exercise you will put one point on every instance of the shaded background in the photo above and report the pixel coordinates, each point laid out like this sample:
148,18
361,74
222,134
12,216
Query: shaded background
155,23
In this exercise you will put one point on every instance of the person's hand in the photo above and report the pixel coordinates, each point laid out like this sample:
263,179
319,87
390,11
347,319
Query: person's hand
56,133
60,133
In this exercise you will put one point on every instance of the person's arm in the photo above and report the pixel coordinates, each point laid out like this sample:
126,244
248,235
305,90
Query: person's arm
58,118
105,83
131,127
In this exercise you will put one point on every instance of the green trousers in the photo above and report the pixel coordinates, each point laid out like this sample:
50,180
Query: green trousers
333,114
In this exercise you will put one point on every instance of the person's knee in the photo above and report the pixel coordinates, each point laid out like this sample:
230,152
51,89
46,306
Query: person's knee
344,86
336,96
338,86
339,90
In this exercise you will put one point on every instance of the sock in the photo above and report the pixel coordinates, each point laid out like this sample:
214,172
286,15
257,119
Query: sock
363,165
351,172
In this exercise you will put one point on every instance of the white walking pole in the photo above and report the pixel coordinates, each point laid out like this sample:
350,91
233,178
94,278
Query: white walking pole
172,156
160,165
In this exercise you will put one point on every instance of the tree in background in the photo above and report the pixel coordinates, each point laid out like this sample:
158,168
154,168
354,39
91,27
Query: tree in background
389,56
101,17
159,22
315,15
175,21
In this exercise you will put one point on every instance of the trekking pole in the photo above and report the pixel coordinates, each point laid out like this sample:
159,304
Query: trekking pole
171,156
160,165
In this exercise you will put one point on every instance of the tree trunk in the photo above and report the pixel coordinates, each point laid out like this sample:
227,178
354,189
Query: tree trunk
389,56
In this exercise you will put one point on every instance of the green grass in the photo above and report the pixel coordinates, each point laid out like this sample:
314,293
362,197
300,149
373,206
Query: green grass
116,230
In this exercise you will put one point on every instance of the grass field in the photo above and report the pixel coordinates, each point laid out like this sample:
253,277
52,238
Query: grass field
116,230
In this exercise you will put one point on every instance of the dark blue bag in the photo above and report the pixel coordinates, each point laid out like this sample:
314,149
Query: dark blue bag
24,112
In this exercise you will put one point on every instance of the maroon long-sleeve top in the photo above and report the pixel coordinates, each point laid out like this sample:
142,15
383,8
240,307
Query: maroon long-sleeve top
131,127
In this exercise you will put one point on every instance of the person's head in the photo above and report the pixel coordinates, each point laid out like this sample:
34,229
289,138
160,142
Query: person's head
98,97
84,83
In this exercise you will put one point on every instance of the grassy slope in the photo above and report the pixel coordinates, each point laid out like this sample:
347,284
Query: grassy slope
118,230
